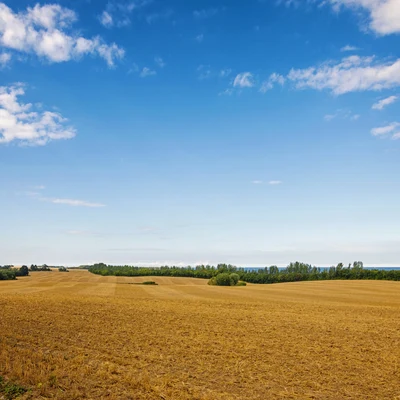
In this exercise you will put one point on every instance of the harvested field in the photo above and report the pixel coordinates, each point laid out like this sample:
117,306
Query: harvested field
80,336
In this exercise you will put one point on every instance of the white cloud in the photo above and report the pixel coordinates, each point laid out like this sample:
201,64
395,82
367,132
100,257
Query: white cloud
106,19
147,72
160,62
342,114
270,82
205,13
42,30
349,48
19,122
199,38
68,202
351,74
244,80
396,136
272,183
384,130
380,105
5,58
73,203
384,15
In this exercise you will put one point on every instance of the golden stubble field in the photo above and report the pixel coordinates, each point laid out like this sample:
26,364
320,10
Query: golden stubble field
80,336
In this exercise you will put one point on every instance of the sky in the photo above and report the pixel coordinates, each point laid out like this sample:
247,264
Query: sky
153,132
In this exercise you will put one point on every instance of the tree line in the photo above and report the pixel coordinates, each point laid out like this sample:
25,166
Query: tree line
294,272
9,272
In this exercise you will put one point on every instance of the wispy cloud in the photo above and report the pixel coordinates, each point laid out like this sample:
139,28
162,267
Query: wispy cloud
73,202
147,72
64,201
272,183
160,62
244,80
106,19
204,72
342,114
21,123
271,81
199,38
385,130
349,48
118,13
46,31
224,73
5,59
205,13
152,18
381,104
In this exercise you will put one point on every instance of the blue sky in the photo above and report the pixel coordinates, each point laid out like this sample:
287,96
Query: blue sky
175,132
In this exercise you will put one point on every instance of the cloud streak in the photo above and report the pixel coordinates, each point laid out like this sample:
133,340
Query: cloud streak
380,105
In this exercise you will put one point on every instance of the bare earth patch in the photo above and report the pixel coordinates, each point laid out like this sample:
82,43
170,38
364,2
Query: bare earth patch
82,336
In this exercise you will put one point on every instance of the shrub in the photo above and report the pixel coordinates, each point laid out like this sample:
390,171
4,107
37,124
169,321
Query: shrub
241,283
223,279
234,278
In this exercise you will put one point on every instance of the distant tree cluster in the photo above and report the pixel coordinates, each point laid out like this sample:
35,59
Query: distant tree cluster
43,267
63,269
8,272
294,272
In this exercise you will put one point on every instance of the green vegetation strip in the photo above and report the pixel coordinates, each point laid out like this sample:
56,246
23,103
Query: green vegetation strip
294,272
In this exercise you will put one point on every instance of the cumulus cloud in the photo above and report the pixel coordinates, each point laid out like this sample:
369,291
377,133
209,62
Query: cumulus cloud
244,80
381,104
46,31
20,123
384,15
351,74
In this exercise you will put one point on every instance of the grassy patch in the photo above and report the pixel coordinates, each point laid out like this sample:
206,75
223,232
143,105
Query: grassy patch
11,390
